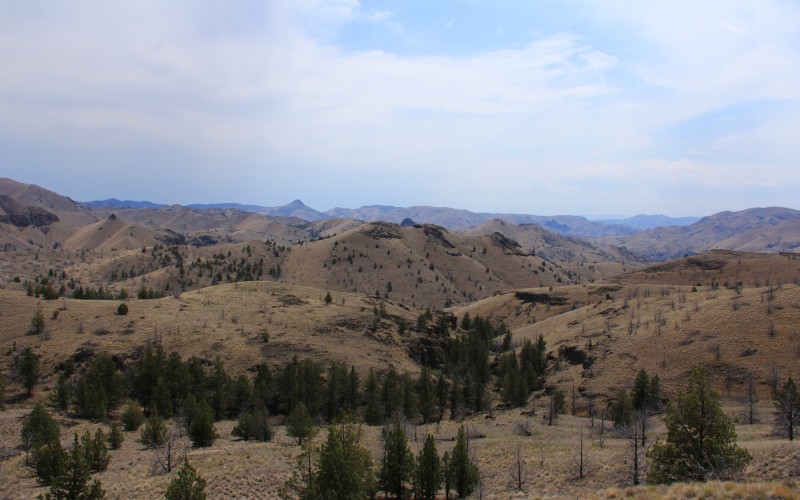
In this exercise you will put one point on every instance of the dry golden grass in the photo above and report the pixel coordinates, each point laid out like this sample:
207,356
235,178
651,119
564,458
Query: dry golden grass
236,469
225,321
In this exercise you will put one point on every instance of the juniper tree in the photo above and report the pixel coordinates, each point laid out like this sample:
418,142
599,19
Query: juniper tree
428,471
701,440
202,431
187,485
464,473
788,408
345,467
29,369
300,424
398,463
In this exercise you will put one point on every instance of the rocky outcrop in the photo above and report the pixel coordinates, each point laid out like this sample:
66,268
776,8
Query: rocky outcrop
24,216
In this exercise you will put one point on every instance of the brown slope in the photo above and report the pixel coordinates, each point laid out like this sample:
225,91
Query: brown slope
225,321
116,234
669,330
571,253
671,242
426,265
722,267
782,237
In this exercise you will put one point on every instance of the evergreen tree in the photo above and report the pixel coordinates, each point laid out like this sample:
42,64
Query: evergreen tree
398,462
48,461
62,393
37,321
132,417
621,409
409,398
391,394
219,386
29,369
426,396
788,408
72,481
373,413
95,451
700,441
654,393
641,390
39,428
202,431
187,485
115,437
300,424
442,394
154,432
253,425
262,386
242,396
514,386
464,473
428,471
345,467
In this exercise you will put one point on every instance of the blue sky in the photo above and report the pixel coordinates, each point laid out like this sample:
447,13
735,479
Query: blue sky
545,107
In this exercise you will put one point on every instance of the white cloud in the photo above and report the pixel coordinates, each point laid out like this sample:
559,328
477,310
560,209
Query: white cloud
267,82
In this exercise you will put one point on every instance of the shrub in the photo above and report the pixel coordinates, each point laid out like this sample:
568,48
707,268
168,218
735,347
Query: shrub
253,425
122,309
188,485
132,417
154,432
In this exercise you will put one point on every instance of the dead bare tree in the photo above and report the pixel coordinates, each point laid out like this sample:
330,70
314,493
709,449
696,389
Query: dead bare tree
518,471
171,453
751,399
580,460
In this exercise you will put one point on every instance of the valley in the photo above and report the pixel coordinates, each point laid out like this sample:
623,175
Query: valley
239,289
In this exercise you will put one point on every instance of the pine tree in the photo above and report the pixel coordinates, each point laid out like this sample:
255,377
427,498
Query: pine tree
39,428
37,321
428,471
621,409
202,431
29,369
187,485
788,408
48,461
398,462
464,473
641,390
95,451
61,395
373,414
154,432
345,467
427,396
73,478
115,437
300,424
253,425
700,441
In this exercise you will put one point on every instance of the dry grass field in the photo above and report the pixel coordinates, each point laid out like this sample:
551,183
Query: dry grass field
549,458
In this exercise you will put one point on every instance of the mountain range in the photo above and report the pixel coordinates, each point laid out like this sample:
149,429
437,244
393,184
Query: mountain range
41,217
450,218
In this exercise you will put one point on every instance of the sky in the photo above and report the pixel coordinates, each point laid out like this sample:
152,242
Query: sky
541,107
